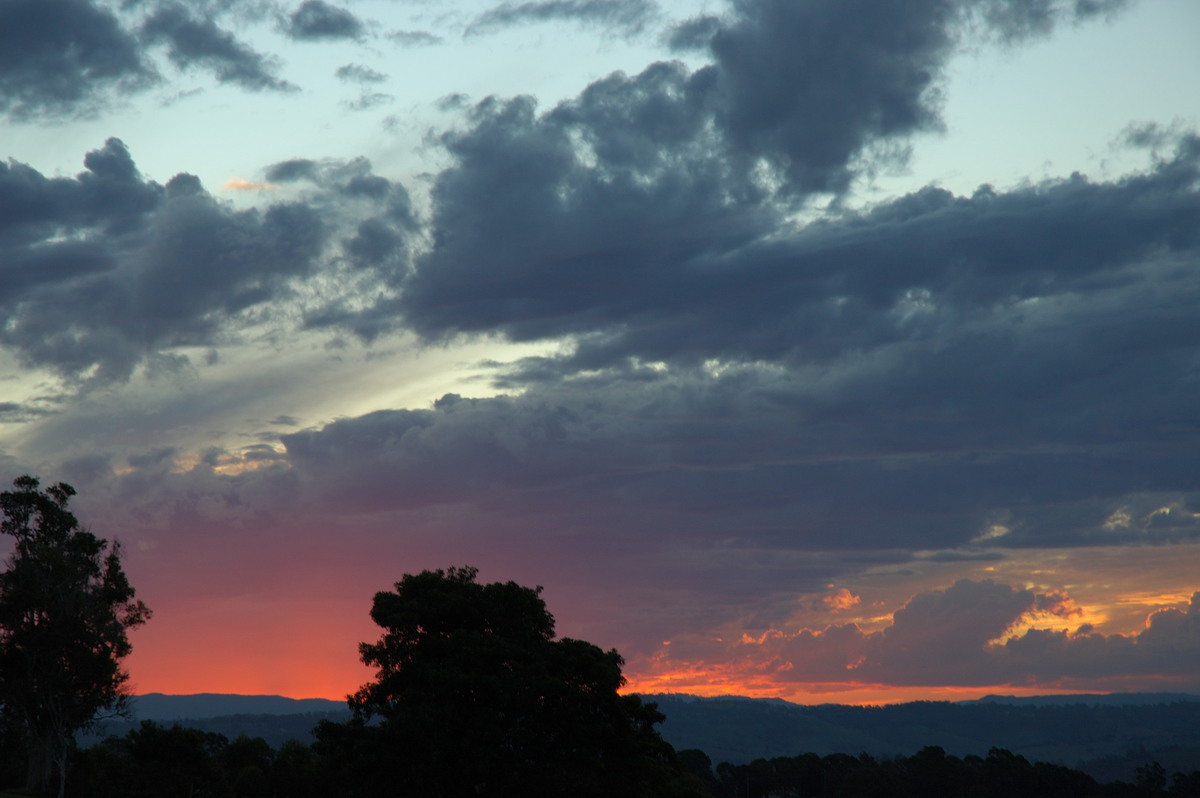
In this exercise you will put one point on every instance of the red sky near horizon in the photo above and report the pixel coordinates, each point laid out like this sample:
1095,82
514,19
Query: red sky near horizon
299,639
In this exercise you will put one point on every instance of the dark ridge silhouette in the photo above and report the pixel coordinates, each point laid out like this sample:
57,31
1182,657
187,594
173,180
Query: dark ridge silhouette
159,706
1106,736
1108,740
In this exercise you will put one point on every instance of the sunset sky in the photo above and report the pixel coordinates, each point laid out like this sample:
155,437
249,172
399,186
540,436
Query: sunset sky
833,350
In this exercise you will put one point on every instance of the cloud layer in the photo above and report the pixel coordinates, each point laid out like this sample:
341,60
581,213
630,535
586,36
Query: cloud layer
966,634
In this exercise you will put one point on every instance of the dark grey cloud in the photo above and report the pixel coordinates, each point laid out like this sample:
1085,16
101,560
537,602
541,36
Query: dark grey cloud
199,42
621,16
369,99
771,458
654,198
349,181
315,20
18,413
641,186
453,102
693,34
414,38
293,170
936,362
1013,21
109,196
65,58
357,73
643,251
809,86
106,270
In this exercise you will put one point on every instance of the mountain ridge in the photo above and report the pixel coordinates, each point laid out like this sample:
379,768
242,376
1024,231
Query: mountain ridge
1106,735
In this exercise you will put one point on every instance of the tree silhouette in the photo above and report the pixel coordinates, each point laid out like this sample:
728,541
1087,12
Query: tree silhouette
476,698
65,608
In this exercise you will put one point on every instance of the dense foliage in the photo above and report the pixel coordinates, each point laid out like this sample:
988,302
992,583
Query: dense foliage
65,609
158,762
930,773
477,698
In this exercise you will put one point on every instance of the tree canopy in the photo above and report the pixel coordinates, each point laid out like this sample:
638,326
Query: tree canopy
65,609
476,697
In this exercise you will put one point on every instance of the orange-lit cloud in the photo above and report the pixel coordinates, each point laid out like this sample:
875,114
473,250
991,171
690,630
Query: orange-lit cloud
238,184
842,599
966,640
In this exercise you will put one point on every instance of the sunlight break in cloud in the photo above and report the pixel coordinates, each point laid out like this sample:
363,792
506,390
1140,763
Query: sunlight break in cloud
979,636
239,184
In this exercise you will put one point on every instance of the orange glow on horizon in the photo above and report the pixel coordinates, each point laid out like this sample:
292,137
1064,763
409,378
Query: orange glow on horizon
291,625
850,693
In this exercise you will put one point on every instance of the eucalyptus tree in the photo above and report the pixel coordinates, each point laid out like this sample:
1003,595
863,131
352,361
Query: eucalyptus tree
66,607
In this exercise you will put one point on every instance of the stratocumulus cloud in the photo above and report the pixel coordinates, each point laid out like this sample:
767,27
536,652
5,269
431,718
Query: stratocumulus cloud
198,42
624,16
317,20
133,267
61,57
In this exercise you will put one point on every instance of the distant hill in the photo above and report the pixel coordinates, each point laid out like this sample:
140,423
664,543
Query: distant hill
1108,736
1103,735
274,718
158,706
1090,699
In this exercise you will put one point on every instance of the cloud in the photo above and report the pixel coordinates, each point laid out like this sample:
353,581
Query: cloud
841,600
369,99
356,73
942,637
65,58
717,359
315,20
414,38
972,633
106,269
693,34
239,184
621,16
293,170
1028,342
1018,21
617,212
685,167
199,42
17,413
755,457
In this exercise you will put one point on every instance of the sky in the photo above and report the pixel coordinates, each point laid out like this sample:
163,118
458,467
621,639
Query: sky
833,351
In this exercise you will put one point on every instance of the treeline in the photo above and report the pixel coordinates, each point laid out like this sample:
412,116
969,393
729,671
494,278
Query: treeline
930,773
1083,736
156,761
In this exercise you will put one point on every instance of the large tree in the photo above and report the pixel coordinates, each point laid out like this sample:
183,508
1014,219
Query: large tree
477,698
65,609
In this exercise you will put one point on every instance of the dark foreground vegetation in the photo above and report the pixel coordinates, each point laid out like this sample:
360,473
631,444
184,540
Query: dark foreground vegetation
155,761
1094,734
473,697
